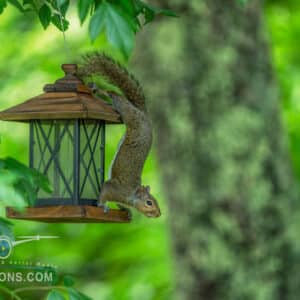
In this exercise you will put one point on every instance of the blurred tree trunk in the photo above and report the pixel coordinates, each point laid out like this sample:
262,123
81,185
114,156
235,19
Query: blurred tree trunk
221,150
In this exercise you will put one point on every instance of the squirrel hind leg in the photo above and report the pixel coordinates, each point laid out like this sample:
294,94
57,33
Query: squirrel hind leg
118,102
103,198
125,108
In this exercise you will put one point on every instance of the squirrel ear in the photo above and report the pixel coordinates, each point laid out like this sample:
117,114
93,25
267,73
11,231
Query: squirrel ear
139,191
147,187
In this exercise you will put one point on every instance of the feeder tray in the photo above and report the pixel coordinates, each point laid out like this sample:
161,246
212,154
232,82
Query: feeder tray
67,143
70,214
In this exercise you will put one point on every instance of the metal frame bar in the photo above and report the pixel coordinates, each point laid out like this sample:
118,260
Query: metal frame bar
89,138
92,173
69,183
31,144
102,154
91,160
76,179
53,153
72,137
56,172
93,149
42,151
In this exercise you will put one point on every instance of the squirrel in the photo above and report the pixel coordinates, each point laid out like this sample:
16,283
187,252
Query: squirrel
124,185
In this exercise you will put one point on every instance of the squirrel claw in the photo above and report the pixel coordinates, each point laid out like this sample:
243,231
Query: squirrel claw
105,207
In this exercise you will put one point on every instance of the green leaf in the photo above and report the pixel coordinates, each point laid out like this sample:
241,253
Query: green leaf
17,180
60,3
8,194
128,7
26,190
118,30
5,222
42,182
32,176
243,2
68,281
127,10
62,25
19,168
149,14
97,23
138,6
3,4
63,8
31,5
16,4
45,15
75,295
166,12
55,295
83,8
6,228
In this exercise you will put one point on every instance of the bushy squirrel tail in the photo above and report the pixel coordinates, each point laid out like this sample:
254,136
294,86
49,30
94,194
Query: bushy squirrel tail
103,65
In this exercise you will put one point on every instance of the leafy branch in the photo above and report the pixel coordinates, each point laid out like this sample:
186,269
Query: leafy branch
58,292
19,184
65,291
118,20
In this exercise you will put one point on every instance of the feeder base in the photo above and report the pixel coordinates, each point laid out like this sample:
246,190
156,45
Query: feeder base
70,214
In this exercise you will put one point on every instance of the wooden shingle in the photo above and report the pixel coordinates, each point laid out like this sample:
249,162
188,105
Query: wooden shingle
67,98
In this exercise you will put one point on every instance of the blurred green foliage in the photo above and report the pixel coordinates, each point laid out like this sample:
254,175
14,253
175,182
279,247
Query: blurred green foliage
283,21
107,261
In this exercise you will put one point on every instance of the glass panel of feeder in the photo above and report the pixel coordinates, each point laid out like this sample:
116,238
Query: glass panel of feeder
90,159
53,156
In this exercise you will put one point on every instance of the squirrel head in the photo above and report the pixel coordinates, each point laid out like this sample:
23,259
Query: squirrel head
146,203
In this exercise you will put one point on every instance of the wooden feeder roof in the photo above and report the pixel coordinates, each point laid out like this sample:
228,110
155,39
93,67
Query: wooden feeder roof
67,98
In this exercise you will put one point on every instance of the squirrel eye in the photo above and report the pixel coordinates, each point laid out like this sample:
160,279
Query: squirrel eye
149,202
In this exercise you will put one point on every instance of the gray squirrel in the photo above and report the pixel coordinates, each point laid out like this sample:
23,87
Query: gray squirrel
124,186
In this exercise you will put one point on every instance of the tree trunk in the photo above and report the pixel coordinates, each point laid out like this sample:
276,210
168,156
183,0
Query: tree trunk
221,150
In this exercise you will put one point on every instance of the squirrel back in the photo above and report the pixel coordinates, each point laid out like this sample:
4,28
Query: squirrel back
124,185
134,147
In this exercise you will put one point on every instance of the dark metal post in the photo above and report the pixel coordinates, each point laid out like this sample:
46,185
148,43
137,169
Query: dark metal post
57,141
102,153
31,144
76,146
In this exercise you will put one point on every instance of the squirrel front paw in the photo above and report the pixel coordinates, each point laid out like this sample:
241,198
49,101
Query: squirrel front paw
105,207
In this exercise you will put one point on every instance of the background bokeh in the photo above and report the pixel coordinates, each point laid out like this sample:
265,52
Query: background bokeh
124,262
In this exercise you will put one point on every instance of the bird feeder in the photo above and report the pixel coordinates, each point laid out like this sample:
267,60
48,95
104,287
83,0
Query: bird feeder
67,144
